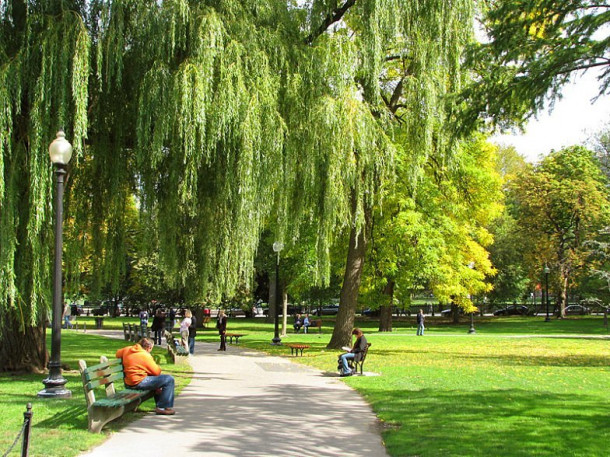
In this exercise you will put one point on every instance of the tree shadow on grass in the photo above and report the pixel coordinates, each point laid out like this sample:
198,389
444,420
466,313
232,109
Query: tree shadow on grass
569,360
485,423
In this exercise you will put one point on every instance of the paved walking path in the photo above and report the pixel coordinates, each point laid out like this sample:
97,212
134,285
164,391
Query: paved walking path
245,403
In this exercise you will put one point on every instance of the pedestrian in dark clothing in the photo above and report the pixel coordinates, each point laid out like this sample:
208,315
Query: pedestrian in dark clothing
420,323
192,334
221,325
158,325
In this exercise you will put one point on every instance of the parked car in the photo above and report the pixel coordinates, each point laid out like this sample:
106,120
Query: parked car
447,312
577,309
513,310
326,310
370,312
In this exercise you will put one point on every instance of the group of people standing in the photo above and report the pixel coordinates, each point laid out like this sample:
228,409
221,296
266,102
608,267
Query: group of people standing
188,327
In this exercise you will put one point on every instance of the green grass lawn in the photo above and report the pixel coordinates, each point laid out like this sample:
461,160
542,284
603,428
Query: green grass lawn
509,390
506,391
59,427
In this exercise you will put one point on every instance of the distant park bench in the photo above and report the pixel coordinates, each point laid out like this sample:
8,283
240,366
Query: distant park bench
116,402
206,321
237,336
295,348
176,351
135,332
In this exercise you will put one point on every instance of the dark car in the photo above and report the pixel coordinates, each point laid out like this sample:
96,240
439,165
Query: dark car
447,312
326,310
512,310
371,312
577,309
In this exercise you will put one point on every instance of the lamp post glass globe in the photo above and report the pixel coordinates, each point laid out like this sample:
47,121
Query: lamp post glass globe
60,152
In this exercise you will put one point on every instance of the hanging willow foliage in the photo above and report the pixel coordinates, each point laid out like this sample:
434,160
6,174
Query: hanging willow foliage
44,86
221,118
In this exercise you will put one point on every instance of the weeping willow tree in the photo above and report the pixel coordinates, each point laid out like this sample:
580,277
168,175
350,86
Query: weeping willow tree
44,65
222,118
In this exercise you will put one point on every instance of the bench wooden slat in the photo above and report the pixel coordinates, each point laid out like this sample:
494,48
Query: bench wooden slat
92,374
110,363
103,381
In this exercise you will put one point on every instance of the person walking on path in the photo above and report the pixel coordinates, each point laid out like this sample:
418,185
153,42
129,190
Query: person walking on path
143,318
420,323
184,328
221,325
192,334
355,353
172,317
142,373
66,316
158,325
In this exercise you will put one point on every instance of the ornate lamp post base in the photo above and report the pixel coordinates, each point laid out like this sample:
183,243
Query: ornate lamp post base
54,387
54,392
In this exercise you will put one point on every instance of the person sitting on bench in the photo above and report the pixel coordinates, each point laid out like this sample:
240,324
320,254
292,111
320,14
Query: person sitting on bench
306,323
298,323
355,353
142,373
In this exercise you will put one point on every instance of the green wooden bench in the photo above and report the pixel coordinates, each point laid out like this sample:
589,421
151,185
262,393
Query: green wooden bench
127,331
137,332
177,352
115,403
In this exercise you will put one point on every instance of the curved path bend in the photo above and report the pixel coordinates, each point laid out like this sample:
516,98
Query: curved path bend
248,404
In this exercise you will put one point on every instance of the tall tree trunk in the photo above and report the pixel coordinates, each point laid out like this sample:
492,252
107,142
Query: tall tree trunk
22,349
385,312
344,324
455,312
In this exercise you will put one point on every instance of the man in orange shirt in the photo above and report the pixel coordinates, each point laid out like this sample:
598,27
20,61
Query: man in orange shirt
141,372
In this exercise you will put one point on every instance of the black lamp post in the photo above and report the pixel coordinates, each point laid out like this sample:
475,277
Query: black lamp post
472,330
60,152
277,247
546,286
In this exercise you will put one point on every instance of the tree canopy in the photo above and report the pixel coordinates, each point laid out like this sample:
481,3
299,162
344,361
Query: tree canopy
533,49
223,118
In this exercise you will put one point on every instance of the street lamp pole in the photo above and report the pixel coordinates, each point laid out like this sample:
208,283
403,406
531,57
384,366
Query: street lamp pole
277,247
546,281
472,330
60,152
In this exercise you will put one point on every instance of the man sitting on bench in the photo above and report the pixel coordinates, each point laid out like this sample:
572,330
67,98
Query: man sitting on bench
142,373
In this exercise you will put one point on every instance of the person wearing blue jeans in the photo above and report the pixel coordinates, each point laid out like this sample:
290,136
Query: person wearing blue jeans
354,353
420,323
192,334
143,373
